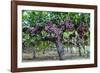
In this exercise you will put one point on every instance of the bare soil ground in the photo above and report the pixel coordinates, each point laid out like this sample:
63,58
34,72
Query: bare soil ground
50,55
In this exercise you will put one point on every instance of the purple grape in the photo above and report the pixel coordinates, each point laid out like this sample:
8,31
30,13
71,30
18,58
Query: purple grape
49,27
81,29
52,29
68,25
34,30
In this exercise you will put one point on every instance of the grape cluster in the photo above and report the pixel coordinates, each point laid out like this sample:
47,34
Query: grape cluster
50,28
35,30
81,29
66,25
69,25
